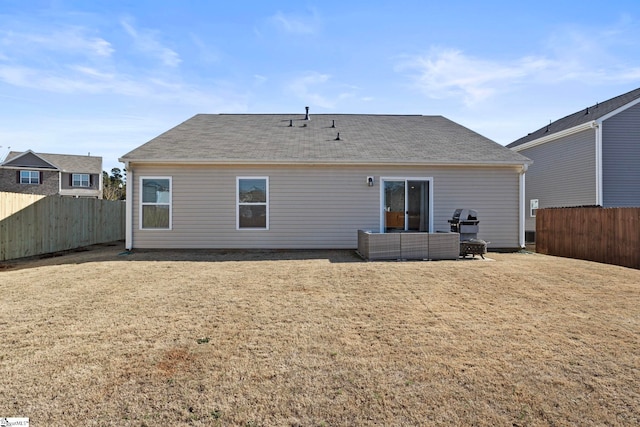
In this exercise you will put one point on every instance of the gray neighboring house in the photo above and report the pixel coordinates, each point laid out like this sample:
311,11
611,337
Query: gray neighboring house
294,181
589,158
48,174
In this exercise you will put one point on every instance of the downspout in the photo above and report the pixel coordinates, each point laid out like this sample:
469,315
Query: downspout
100,184
522,206
128,240
598,129
383,217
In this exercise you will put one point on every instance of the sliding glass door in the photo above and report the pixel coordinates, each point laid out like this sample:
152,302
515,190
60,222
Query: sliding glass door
394,205
406,204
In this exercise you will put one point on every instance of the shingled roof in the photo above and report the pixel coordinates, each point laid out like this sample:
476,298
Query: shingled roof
325,138
593,112
63,162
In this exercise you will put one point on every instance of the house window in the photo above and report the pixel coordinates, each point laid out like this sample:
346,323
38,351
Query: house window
533,207
80,180
29,177
155,203
252,203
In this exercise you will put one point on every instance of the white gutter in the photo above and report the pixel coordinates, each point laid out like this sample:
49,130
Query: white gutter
128,233
323,163
523,208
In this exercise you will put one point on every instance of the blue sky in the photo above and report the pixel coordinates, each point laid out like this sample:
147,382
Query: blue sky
106,76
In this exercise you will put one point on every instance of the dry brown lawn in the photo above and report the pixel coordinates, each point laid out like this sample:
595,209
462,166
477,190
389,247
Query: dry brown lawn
317,338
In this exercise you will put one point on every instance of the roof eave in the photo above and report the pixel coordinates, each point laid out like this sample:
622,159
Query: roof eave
19,156
579,128
551,137
33,168
321,163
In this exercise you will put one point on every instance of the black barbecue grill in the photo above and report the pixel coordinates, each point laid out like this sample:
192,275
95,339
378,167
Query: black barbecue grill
465,222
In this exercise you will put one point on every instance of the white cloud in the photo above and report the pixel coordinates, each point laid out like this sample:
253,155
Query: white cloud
569,54
447,73
16,76
259,79
78,79
630,74
318,89
74,61
207,53
305,88
93,72
69,40
297,24
146,41
69,80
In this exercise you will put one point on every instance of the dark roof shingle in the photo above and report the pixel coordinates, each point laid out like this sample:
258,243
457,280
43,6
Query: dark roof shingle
64,162
586,115
284,138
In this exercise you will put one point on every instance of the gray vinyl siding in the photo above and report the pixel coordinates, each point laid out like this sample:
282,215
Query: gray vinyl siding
563,173
621,159
314,207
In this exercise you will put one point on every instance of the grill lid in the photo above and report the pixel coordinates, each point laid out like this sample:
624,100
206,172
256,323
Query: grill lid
469,216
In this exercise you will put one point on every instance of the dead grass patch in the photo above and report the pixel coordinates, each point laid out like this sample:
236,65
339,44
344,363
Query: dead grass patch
318,338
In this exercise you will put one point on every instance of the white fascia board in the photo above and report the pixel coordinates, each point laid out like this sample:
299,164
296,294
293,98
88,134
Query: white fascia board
32,168
582,127
524,163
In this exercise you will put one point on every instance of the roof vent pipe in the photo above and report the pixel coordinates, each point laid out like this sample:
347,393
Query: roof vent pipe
290,123
333,123
306,116
338,137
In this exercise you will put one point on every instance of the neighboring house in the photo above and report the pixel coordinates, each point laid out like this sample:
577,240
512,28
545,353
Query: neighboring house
48,174
587,158
293,181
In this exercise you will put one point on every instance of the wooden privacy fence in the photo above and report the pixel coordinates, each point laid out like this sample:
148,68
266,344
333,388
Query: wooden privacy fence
34,225
608,235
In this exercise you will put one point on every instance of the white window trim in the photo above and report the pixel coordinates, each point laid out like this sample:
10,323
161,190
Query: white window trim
238,178
533,207
73,180
31,172
406,178
170,204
